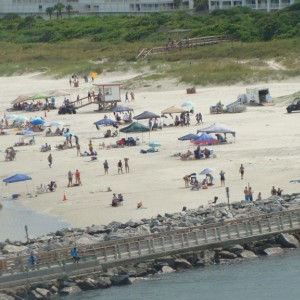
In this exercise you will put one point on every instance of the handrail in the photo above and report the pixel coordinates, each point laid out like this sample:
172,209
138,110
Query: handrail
140,246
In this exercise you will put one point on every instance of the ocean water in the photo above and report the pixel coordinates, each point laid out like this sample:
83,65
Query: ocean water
14,217
274,277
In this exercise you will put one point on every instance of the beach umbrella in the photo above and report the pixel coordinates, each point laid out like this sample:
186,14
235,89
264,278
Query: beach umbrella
56,123
20,99
37,121
146,115
69,134
154,144
39,96
188,137
187,104
205,139
11,117
207,171
21,119
121,108
173,110
106,122
28,132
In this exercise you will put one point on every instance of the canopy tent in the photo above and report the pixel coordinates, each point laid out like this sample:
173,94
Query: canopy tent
17,178
121,108
205,139
146,115
218,128
173,110
20,99
105,122
136,127
39,96
188,137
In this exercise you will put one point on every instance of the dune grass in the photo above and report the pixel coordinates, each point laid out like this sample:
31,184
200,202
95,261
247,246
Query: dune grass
217,64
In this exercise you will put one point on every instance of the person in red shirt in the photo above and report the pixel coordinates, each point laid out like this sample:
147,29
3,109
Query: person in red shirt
77,178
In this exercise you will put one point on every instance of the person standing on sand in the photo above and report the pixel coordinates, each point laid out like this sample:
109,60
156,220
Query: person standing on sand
186,179
106,167
242,171
77,178
78,149
91,147
222,178
50,160
132,96
126,97
250,193
120,167
70,178
246,193
126,164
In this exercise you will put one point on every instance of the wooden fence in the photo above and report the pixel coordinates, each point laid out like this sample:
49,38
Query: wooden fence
141,248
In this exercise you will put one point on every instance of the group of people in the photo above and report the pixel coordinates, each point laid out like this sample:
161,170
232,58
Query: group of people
132,96
119,166
117,200
183,120
77,178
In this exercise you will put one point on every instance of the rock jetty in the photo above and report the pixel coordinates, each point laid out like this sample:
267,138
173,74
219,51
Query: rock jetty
129,273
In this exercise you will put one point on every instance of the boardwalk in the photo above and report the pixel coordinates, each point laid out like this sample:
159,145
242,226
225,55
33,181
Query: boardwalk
184,44
54,264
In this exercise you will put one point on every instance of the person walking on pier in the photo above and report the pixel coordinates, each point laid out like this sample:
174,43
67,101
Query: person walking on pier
75,255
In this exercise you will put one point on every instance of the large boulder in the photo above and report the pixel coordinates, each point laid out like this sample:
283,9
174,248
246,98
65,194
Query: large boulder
181,263
43,292
247,254
288,240
97,229
66,291
167,269
120,280
87,284
237,249
12,249
103,282
227,255
6,297
272,251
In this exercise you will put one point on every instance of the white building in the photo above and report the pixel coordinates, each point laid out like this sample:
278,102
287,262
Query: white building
88,7
267,5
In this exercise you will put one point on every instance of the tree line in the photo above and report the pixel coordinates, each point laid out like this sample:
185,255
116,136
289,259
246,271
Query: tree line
242,23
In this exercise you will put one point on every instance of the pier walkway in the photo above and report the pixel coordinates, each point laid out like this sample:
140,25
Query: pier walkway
14,271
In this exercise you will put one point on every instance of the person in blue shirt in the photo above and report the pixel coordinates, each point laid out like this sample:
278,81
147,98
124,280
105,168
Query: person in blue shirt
32,260
75,255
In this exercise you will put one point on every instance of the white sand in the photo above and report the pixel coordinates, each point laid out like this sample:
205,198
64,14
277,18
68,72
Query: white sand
267,143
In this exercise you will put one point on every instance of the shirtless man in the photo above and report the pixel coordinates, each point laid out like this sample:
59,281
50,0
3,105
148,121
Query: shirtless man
246,193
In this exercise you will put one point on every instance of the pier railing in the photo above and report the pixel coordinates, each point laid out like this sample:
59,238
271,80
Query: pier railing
52,264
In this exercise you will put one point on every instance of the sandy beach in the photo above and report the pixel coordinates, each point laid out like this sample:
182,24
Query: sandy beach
267,143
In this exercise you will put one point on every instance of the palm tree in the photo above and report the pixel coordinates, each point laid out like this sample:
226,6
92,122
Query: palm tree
58,8
49,11
69,8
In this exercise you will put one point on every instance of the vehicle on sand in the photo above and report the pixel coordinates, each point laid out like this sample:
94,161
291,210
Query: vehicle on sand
294,106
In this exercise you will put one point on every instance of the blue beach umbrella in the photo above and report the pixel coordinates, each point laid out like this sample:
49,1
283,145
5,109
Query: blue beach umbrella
154,144
187,104
69,134
207,171
37,121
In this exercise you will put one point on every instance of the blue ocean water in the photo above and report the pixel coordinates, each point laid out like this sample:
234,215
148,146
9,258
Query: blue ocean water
14,217
274,277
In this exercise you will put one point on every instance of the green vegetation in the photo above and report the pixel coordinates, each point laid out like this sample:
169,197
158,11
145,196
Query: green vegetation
64,45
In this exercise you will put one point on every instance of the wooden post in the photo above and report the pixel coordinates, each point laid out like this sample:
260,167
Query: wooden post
205,235
259,226
139,248
196,237
172,241
116,252
291,221
215,233
182,239
228,232
238,230
105,254
269,225
129,250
